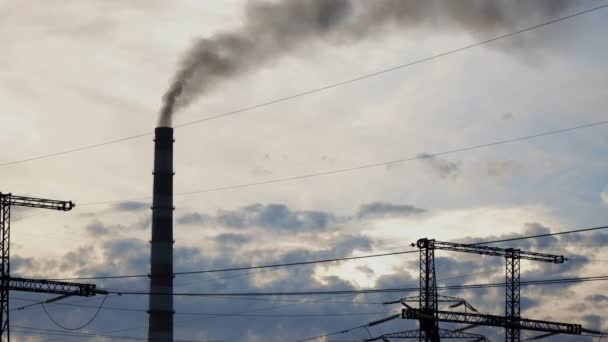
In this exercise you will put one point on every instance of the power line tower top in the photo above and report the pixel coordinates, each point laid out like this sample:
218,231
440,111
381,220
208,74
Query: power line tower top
22,284
429,315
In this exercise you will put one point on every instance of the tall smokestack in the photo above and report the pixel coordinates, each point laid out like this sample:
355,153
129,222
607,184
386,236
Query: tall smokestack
160,314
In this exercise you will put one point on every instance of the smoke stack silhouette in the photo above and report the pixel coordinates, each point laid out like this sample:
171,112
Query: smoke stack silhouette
271,30
160,308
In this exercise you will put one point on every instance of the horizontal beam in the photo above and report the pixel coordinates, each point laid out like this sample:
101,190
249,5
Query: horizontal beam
493,251
52,287
443,333
41,203
495,321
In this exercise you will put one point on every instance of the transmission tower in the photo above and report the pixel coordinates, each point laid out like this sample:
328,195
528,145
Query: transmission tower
511,322
422,335
7,283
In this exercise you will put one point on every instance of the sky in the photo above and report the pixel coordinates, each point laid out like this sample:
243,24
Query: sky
80,73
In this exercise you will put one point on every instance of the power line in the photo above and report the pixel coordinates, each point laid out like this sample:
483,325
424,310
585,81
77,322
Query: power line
543,235
329,260
226,314
79,327
316,90
268,308
51,332
369,291
37,302
334,333
299,263
361,167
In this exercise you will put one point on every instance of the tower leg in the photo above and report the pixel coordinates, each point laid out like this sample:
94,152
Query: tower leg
513,299
5,219
428,291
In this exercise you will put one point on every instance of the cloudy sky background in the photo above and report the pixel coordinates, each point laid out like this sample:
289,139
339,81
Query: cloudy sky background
86,72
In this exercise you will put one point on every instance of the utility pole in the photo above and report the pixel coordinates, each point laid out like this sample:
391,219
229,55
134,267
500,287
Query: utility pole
7,283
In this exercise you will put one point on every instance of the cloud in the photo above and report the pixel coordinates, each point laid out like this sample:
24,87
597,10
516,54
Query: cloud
443,168
387,210
96,228
232,239
499,168
597,298
368,271
275,216
131,206
604,196
279,217
192,218
131,256
271,216
593,321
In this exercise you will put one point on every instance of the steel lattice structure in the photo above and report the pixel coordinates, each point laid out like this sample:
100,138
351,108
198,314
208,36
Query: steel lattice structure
495,321
512,273
7,283
421,335
439,299
513,294
428,290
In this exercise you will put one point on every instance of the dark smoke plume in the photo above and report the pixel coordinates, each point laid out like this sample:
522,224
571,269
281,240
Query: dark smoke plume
272,29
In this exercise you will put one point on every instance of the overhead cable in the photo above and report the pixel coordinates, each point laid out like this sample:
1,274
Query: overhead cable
419,156
316,90
299,263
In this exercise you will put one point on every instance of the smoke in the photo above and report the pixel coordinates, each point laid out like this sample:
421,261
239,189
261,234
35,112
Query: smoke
272,29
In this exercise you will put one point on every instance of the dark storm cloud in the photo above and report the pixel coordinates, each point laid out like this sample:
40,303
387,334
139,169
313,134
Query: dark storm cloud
387,210
271,30
443,168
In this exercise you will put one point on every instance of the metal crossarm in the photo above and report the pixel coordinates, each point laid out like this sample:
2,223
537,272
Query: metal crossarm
494,251
496,321
512,276
41,203
52,287
440,299
418,334
21,284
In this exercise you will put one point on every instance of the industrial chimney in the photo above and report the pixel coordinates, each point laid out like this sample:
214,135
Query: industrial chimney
160,313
